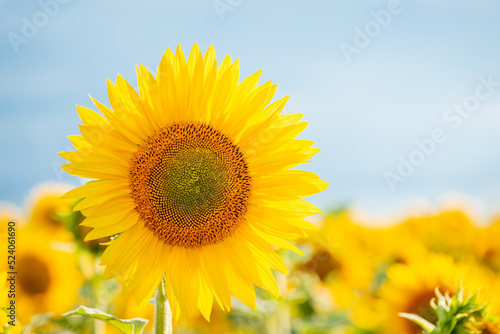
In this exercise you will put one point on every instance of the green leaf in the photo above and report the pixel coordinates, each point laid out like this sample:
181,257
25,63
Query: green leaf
130,326
427,326
36,321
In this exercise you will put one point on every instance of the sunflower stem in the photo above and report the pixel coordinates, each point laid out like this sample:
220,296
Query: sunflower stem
163,314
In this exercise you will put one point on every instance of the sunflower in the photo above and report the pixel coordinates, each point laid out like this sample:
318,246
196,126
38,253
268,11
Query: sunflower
194,174
450,231
347,258
487,248
47,210
342,258
48,278
411,286
400,244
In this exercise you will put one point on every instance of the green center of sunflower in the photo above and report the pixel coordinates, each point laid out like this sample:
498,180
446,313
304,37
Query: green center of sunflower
191,184
194,182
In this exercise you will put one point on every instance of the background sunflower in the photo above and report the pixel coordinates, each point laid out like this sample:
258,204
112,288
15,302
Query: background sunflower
48,278
410,288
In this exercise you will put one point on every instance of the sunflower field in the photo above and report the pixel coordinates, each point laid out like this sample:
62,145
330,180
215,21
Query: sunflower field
350,279
192,194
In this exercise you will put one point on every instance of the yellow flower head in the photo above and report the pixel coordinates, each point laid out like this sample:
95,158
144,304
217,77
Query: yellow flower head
486,247
450,231
46,207
194,173
47,277
342,257
411,286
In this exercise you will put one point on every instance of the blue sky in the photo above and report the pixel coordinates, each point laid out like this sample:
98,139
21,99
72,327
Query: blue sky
365,112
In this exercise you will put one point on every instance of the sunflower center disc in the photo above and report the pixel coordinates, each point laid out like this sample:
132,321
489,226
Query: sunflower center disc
191,184
33,275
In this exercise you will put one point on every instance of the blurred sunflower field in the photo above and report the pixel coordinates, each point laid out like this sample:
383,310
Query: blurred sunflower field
175,199
353,277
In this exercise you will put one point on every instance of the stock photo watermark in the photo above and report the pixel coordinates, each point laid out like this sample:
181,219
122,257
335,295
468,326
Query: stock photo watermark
453,118
363,36
221,7
30,26
12,273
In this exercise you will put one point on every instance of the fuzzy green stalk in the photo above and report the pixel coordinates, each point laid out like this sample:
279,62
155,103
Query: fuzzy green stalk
163,314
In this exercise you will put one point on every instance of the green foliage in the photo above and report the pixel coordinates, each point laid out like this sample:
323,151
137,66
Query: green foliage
37,321
131,326
456,315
